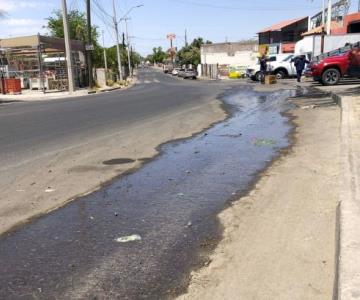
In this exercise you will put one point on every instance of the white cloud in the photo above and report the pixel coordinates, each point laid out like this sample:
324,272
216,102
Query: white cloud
15,5
17,27
22,22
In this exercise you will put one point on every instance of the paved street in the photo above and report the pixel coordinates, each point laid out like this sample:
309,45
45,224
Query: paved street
171,202
29,130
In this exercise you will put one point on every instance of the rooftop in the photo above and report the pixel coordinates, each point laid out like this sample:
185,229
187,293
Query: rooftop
281,25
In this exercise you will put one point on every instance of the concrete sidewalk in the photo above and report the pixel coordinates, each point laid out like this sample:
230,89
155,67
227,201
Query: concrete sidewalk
35,95
349,214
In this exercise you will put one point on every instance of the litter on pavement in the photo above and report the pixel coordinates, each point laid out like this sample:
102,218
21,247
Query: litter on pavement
129,238
263,142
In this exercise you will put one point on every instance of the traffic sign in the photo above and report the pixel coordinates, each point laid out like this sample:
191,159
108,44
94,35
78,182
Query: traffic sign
89,47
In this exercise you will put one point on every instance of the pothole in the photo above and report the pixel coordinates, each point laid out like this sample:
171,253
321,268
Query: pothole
118,161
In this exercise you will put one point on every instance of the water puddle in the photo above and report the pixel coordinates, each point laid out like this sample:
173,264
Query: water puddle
165,213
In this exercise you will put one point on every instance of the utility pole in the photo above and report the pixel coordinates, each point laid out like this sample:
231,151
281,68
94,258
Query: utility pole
128,45
89,40
186,41
117,42
323,14
67,47
105,58
328,29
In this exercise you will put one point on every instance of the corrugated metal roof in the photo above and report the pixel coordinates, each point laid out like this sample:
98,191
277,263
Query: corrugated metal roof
281,25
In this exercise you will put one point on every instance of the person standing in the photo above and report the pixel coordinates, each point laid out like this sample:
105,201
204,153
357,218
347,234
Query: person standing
263,67
300,62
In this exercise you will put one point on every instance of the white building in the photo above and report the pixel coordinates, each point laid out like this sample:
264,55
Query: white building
225,57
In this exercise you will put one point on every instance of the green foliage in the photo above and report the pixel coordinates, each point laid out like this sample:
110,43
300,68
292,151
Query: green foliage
77,31
190,55
112,58
158,55
77,25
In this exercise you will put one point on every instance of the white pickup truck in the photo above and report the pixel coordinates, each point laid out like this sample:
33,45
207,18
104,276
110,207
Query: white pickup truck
280,65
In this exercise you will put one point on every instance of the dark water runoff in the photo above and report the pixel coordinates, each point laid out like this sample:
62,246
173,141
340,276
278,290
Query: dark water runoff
171,203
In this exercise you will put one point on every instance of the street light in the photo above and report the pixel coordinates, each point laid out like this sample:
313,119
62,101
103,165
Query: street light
124,18
129,11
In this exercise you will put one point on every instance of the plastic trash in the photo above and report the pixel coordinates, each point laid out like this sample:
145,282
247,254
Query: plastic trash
49,190
129,238
263,142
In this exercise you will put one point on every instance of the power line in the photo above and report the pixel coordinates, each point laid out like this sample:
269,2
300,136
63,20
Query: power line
102,9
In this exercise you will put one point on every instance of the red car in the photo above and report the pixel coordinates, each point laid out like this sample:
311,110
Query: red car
331,69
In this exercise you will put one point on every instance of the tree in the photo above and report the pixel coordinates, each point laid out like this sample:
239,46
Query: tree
77,31
158,55
190,55
112,58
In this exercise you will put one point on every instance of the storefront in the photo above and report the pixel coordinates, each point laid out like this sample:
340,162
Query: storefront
39,62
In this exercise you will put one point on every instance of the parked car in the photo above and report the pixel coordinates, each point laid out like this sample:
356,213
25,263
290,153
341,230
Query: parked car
330,70
190,73
237,72
279,65
181,73
175,71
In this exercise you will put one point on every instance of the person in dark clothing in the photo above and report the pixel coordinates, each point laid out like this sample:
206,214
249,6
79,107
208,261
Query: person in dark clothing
300,62
263,66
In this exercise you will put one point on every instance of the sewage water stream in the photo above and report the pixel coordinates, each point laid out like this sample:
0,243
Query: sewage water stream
171,203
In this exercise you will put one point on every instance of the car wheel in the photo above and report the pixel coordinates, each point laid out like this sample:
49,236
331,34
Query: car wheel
258,76
280,74
330,77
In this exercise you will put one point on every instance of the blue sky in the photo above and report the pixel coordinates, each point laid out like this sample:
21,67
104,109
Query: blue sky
230,20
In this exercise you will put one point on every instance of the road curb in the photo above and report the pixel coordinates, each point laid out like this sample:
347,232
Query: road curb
348,258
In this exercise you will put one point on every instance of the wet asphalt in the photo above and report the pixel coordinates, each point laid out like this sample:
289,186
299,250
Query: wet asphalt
171,203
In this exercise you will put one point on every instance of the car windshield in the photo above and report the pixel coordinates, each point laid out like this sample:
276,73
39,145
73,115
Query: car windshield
288,58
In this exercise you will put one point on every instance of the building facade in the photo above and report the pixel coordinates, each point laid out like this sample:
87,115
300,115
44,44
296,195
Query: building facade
282,37
227,57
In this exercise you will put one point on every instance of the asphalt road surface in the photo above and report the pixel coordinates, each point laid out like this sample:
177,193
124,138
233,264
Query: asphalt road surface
171,202
29,130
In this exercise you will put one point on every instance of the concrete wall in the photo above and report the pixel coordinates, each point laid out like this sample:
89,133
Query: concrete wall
232,54
239,58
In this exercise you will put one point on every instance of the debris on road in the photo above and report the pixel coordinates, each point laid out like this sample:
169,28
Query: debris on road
263,142
308,107
180,195
129,238
49,190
